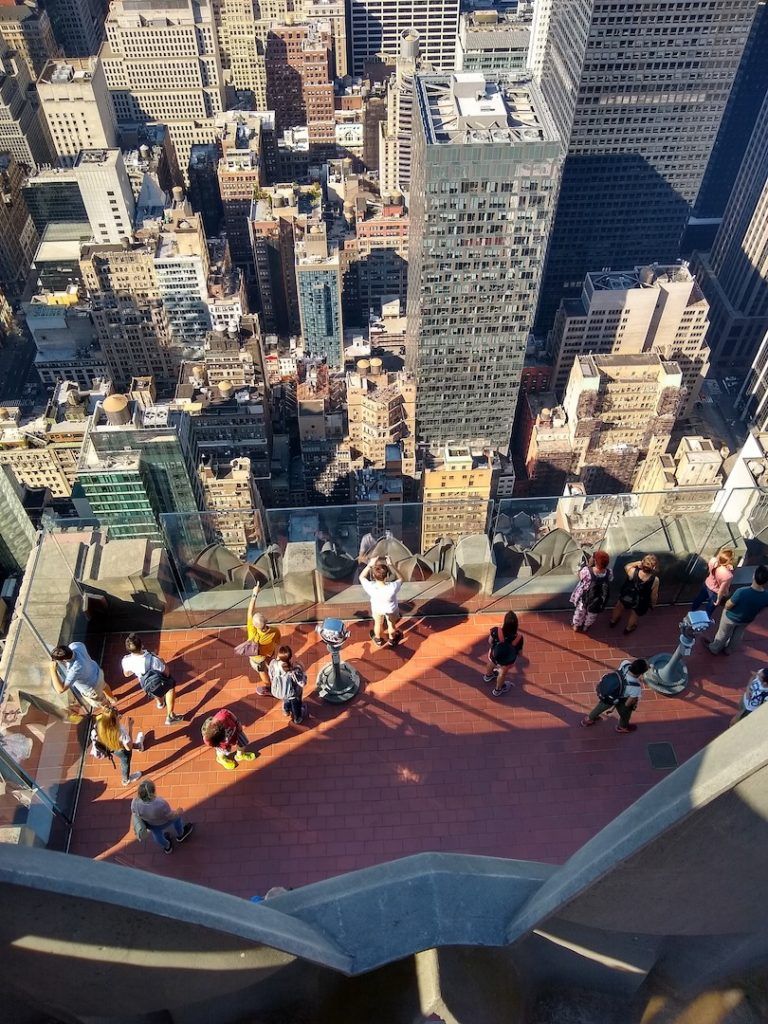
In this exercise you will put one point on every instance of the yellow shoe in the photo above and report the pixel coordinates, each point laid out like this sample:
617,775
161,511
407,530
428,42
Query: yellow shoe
245,755
228,763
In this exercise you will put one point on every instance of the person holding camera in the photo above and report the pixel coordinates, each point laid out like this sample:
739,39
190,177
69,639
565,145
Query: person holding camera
288,679
381,581
266,637
639,592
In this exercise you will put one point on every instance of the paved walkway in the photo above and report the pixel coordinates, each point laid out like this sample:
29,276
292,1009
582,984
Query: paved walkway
424,759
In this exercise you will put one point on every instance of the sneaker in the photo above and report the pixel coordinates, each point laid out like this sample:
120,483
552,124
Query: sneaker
245,755
626,728
577,629
302,717
263,691
131,778
505,689
159,704
395,640
173,719
139,741
186,832
376,640
228,763
587,721
491,676
168,848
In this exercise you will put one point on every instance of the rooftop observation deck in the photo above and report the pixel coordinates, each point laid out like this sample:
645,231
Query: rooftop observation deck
528,831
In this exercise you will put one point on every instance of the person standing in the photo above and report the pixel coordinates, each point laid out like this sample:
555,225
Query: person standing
639,592
591,593
223,732
755,695
116,739
377,581
72,668
153,676
267,637
503,651
742,608
624,696
715,588
288,679
158,817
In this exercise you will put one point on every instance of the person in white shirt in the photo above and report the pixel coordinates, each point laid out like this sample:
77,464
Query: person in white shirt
755,695
151,671
631,674
377,581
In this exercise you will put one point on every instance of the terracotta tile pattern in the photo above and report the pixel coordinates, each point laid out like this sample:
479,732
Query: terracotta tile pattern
424,759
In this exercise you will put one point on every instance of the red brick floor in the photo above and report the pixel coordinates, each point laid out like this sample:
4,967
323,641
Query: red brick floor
423,759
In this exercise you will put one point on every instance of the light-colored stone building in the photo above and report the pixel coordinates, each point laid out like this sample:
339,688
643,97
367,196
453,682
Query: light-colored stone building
681,484
456,495
647,309
77,107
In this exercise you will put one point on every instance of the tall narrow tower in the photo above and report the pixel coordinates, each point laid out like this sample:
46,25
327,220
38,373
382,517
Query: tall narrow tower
485,169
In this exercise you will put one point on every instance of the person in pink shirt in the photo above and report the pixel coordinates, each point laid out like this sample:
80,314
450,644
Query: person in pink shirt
717,585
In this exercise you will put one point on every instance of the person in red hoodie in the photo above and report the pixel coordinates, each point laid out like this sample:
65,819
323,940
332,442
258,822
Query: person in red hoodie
224,733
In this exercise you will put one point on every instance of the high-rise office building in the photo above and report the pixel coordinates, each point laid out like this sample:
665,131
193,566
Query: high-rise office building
493,40
637,98
17,534
26,29
240,172
381,256
753,397
734,275
78,25
619,409
376,26
381,411
23,130
334,13
396,133
77,107
486,164
681,484
325,454
749,90
318,283
274,214
299,66
537,43
18,235
135,465
455,495
127,311
648,309
238,512
162,63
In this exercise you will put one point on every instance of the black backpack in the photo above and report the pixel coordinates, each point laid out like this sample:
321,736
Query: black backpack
502,651
610,689
595,597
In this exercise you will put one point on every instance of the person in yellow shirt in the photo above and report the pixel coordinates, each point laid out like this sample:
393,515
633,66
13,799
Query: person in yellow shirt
267,637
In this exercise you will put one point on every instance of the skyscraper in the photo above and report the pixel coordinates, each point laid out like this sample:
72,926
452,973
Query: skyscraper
162,63
396,133
637,92
486,163
376,26
26,29
23,131
318,281
648,309
78,25
18,235
734,275
77,106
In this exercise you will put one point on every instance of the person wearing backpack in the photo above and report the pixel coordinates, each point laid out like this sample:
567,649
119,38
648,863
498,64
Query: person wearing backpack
153,676
590,596
755,695
288,679
113,740
153,814
503,651
622,690
639,592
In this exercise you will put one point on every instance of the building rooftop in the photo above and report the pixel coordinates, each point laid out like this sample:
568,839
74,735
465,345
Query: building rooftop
423,760
71,69
469,107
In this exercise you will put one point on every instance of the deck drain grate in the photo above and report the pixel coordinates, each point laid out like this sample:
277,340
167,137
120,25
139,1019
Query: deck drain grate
662,756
